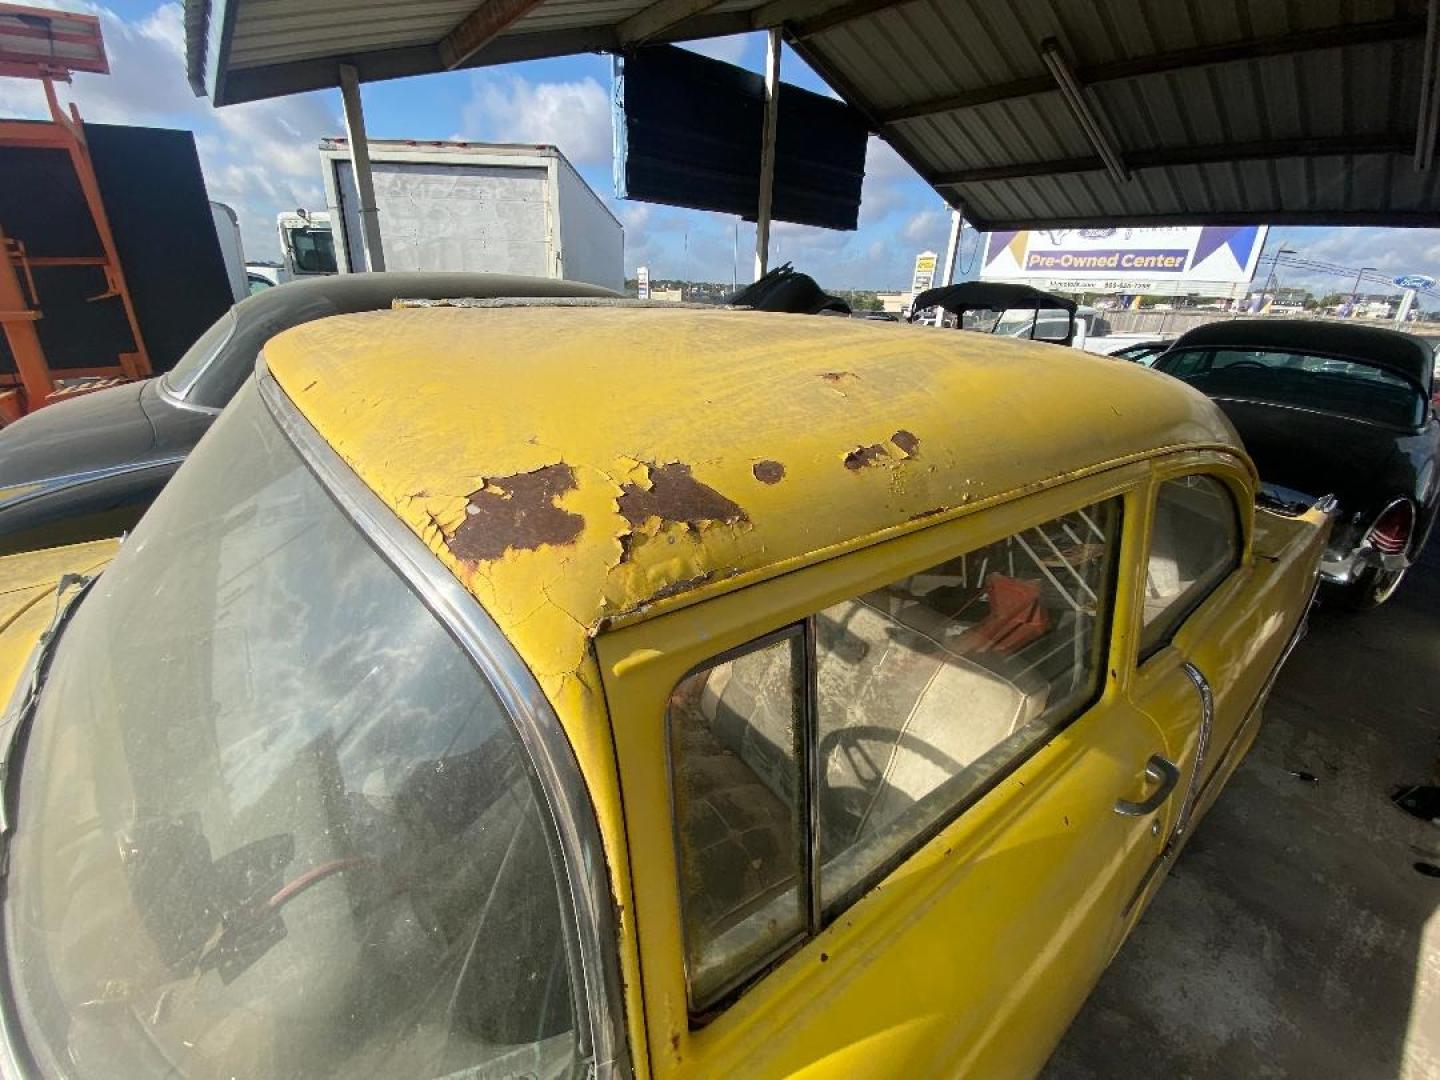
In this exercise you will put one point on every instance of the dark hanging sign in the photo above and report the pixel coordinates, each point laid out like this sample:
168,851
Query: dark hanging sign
688,132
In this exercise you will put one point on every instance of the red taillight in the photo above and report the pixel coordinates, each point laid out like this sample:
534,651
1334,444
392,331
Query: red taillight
1391,531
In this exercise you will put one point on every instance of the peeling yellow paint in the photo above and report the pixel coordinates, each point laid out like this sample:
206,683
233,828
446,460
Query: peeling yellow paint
430,406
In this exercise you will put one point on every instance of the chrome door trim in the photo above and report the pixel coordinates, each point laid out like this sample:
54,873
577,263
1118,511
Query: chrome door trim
1202,745
601,1020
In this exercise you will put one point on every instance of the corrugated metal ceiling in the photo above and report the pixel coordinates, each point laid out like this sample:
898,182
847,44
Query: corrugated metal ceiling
1221,110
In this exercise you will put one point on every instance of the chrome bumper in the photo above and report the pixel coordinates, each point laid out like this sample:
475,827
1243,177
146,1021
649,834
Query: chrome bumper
1344,567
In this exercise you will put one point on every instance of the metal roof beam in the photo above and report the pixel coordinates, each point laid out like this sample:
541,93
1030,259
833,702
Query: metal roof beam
660,16
779,12
1344,146
838,14
1330,37
1425,131
479,28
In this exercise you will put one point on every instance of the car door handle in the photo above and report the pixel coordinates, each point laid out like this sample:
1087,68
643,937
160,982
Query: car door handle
1158,770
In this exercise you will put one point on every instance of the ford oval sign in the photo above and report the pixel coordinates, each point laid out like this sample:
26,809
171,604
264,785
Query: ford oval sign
1415,281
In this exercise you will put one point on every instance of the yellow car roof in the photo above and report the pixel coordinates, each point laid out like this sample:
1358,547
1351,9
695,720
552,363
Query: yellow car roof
574,465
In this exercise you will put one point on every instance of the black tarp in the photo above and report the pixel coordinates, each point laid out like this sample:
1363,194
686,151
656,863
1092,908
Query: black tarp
159,213
690,131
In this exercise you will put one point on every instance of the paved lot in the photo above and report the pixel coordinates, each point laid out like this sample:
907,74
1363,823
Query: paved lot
1295,937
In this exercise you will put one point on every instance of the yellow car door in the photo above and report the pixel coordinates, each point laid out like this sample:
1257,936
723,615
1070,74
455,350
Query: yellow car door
870,805
1215,618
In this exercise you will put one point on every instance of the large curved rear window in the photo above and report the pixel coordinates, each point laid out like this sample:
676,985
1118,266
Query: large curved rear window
1302,380
272,822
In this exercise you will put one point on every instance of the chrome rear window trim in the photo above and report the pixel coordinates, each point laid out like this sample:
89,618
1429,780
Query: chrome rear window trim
602,1020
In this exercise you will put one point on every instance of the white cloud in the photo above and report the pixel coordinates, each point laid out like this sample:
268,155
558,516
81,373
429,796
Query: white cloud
575,116
730,49
925,226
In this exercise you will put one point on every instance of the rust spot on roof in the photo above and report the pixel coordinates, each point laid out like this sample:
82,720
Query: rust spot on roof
908,443
517,513
675,495
863,457
768,472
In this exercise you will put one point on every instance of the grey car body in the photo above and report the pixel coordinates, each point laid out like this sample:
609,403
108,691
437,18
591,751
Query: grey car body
88,468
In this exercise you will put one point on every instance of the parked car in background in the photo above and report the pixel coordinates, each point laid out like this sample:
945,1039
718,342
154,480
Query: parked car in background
88,468
1144,352
1002,309
1332,408
570,687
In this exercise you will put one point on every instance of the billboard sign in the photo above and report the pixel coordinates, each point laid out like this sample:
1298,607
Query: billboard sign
924,276
1203,260
642,282
1415,281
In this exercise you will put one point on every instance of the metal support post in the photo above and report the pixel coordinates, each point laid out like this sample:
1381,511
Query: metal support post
952,250
767,152
360,162
17,321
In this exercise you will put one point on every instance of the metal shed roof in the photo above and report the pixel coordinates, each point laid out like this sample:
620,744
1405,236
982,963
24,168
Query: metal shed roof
1022,112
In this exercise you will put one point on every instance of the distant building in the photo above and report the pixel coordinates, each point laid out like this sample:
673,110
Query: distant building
893,302
673,296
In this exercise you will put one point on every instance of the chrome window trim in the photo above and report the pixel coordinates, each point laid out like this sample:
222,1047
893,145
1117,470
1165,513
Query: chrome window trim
40,489
601,1022
172,397
1317,412
178,393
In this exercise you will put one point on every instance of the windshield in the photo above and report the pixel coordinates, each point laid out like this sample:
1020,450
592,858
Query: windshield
272,822
1302,380
313,250
1052,324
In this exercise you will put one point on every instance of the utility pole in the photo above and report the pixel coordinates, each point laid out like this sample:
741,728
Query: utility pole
1355,289
1274,262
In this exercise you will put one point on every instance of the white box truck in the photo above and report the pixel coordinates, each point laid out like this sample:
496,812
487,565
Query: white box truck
478,207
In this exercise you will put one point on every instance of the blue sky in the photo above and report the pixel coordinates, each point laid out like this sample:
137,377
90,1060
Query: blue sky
260,157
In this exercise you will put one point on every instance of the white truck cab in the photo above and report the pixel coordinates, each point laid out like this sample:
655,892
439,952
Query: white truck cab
307,247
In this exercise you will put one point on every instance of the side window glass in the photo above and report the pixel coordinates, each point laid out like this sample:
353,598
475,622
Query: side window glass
926,692
931,687
1194,545
735,730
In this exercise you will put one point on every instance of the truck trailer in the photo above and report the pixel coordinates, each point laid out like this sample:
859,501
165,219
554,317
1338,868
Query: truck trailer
479,207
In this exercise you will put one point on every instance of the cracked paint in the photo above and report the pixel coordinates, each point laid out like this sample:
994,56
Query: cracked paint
517,513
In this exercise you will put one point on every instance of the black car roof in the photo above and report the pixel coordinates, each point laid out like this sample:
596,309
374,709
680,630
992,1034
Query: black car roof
991,296
1404,354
